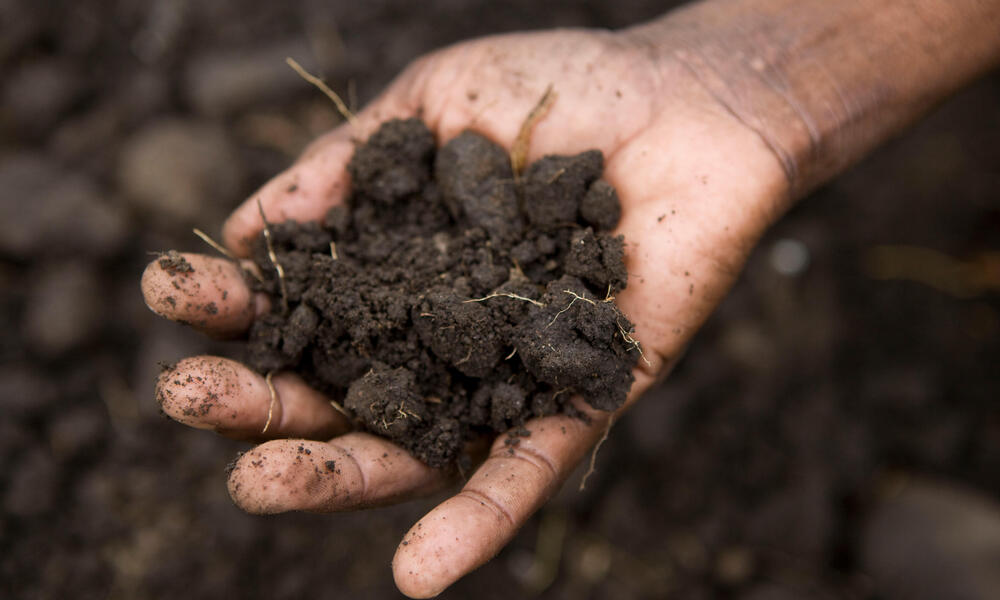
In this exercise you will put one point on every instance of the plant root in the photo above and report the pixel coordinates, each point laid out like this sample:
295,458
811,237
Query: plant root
593,454
568,306
505,295
274,259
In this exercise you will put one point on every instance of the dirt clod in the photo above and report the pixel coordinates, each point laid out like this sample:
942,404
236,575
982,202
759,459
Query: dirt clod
447,298
172,262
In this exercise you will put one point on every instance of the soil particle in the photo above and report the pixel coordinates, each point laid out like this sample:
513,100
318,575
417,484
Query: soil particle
554,186
458,300
173,263
394,163
600,206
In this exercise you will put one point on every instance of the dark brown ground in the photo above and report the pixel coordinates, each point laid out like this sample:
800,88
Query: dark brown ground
773,464
448,298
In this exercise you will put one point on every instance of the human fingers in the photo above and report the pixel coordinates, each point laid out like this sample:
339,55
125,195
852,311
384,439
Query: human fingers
207,293
209,392
469,528
353,471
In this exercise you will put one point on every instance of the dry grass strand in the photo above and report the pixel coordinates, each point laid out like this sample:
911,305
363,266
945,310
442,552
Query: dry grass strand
214,244
319,83
273,257
274,400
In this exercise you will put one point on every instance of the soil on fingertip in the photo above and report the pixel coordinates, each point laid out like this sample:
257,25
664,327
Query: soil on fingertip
446,297
173,263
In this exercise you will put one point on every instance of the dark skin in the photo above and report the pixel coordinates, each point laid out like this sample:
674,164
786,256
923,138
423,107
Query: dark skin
719,158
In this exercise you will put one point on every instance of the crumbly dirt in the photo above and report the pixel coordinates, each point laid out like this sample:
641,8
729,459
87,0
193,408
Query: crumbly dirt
173,262
448,298
749,474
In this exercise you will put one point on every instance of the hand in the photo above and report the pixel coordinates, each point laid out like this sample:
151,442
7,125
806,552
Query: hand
697,189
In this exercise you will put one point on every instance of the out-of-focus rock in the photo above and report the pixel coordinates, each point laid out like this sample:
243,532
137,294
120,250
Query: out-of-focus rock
184,171
45,210
798,519
64,308
233,79
31,489
25,390
92,136
787,591
37,93
161,32
19,23
77,429
931,540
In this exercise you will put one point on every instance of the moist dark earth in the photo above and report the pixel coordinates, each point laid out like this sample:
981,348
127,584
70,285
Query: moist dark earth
831,433
449,296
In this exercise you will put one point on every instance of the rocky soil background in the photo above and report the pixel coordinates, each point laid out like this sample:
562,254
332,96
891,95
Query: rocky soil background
834,432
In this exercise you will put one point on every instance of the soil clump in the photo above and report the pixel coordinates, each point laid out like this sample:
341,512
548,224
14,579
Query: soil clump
448,297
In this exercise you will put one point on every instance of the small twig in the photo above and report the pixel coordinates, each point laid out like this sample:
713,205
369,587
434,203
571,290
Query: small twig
593,455
505,295
274,258
214,244
557,175
407,413
468,355
274,400
333,250
519,151
332,95
632,341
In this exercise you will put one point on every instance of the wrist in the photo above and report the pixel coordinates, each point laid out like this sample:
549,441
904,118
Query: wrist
822,83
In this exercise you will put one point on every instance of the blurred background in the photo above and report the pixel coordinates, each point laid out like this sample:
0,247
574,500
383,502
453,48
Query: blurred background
834,431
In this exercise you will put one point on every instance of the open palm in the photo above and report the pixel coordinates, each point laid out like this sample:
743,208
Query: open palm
697,189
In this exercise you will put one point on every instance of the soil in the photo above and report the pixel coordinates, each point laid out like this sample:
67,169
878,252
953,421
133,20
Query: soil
753,473
448,297
173,262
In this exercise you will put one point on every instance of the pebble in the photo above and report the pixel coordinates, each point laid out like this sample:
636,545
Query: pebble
26,391
933,539
31,489
229,80
74,430
38,93
50,211
185,171
64,309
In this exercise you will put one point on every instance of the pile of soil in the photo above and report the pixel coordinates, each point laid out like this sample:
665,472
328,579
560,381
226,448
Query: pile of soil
448,296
